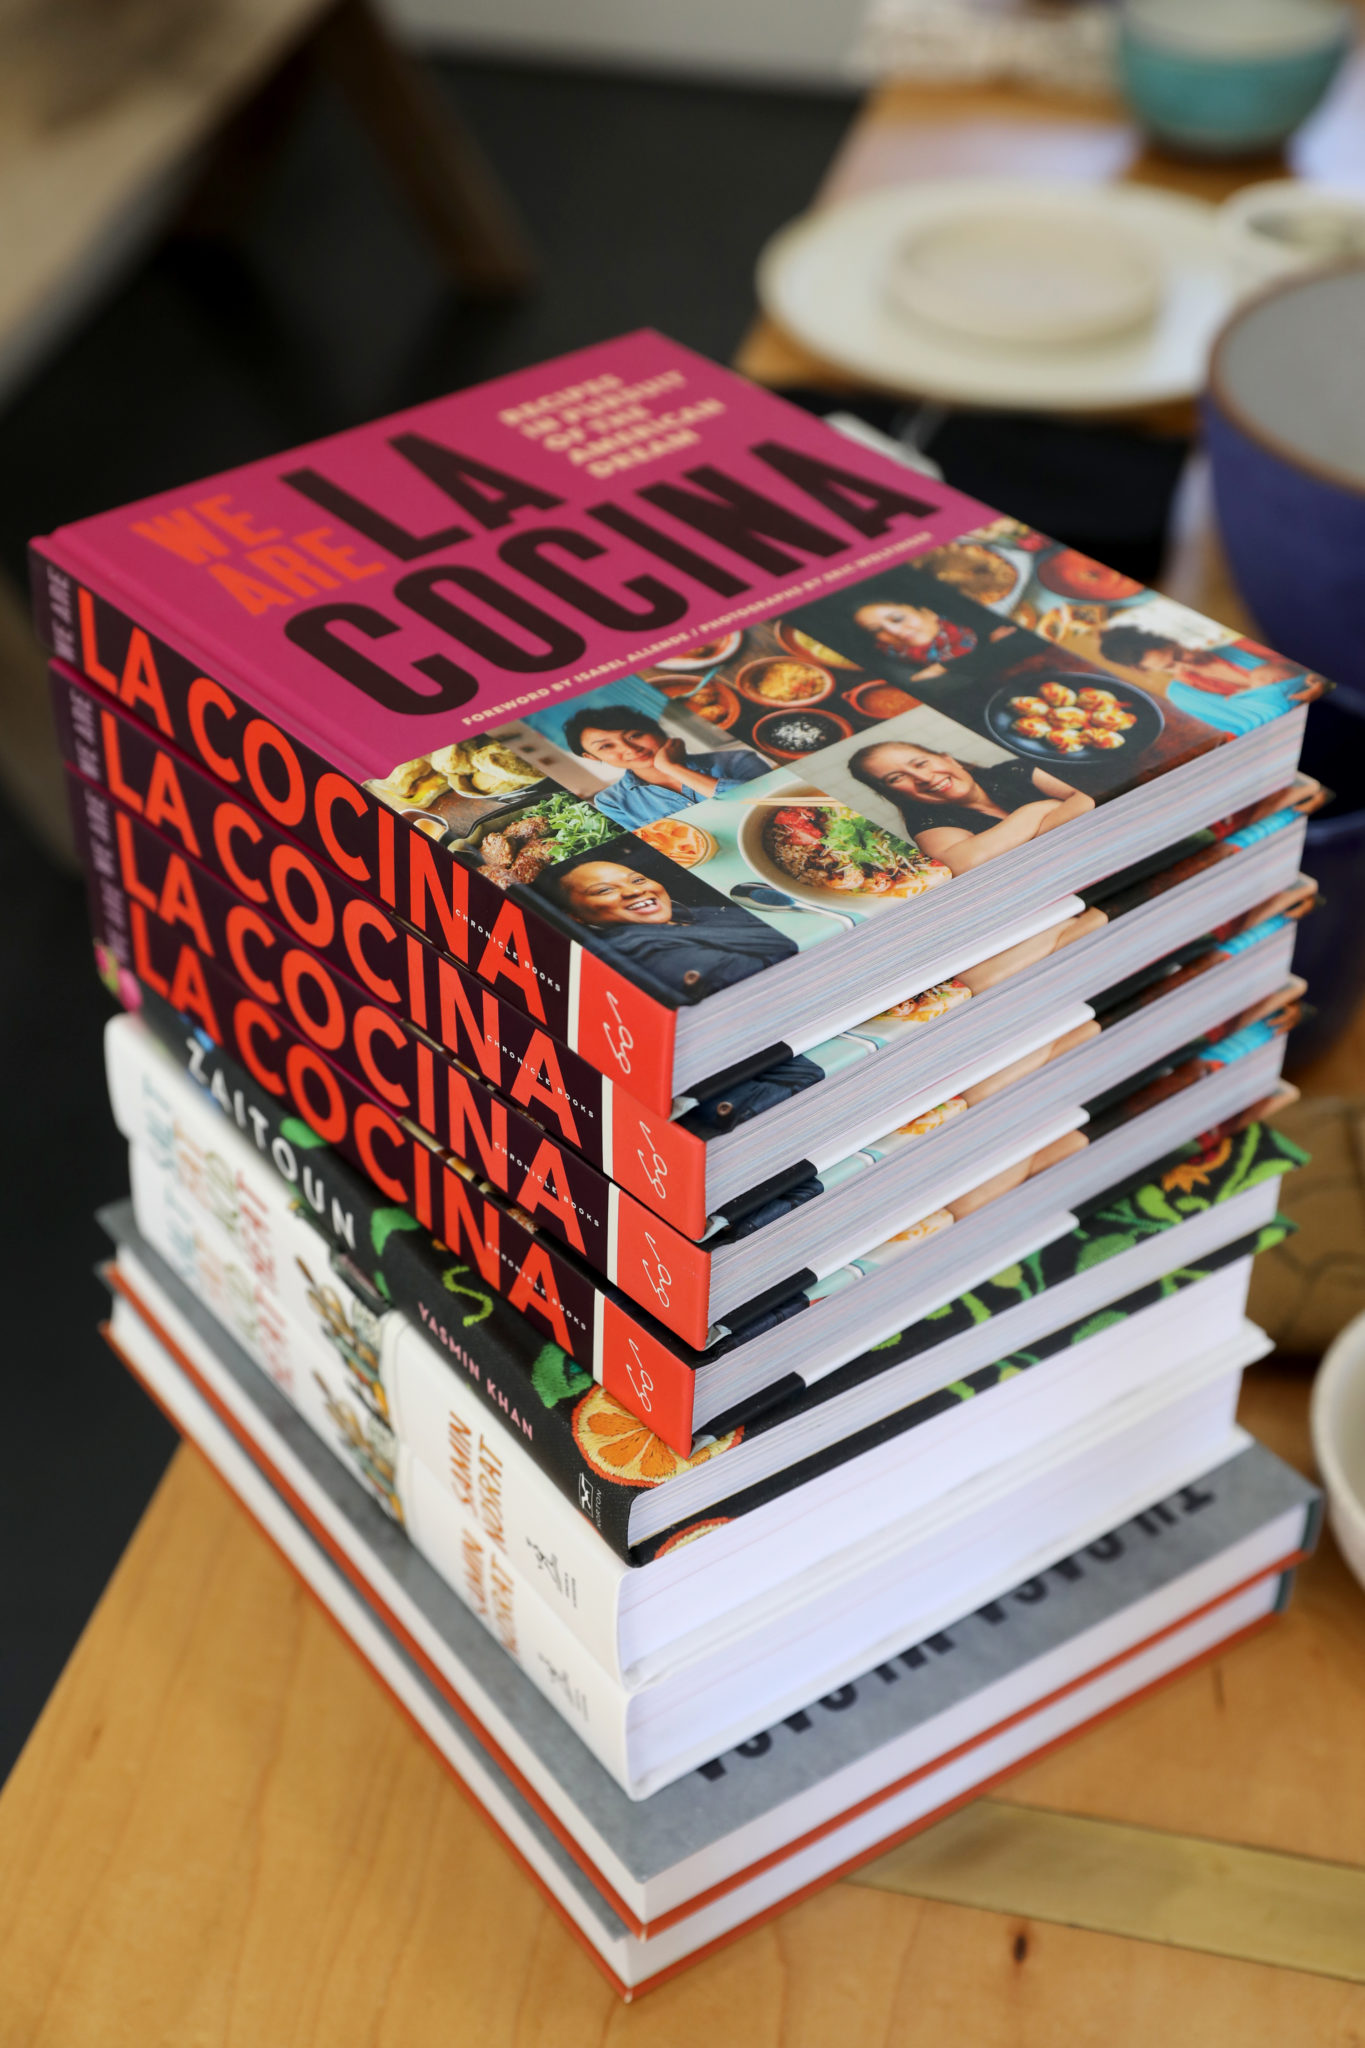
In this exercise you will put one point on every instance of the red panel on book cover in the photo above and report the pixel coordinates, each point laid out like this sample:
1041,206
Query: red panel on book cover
661,1269
658,1161
646,1378
622,1031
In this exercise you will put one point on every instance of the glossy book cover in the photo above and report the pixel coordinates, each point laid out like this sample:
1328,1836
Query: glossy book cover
627,681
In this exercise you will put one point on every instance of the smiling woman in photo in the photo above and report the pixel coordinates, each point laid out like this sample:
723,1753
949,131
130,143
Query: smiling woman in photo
658,775
959,813
693,948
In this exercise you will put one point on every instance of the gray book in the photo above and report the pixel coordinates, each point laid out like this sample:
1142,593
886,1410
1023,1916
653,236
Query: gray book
651,1883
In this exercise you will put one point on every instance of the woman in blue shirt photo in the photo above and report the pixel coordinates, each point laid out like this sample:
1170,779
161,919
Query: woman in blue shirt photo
658,775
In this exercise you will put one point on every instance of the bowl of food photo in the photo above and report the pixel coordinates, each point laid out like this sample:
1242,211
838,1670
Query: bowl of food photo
705,655
878,699
807,648
686,844
987,574
710,699
779,681
1070,574
1074,715
826,856
428,822
792,735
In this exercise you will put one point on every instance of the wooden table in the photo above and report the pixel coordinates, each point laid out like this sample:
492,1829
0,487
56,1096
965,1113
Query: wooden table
222,1832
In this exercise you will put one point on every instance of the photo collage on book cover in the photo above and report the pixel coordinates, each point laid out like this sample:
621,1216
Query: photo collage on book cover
725,809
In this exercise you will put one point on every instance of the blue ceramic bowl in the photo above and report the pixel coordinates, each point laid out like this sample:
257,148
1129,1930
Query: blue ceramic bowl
1284,420
1222,80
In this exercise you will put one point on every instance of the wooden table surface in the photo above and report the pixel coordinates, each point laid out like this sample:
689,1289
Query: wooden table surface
222,1833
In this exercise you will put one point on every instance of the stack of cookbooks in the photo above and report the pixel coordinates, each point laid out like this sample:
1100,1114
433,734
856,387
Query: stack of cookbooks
700,1011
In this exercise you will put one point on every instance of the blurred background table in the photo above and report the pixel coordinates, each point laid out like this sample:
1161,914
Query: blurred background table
222,1831
908,131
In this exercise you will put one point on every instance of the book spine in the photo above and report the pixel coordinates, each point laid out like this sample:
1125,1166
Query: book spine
651,1157
510,1351
176,927
464,1491
288,1089
506,939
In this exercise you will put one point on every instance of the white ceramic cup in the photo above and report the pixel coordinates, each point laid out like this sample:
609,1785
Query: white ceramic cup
1337,1419
1284,224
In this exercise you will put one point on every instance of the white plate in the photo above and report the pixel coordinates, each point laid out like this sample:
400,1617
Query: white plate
825,279
1066,278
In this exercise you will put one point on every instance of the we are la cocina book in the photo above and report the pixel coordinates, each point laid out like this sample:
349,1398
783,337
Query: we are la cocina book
626,682
147,821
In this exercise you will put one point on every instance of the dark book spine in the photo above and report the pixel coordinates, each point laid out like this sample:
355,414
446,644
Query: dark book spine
510,941
175,917
651,1157
632,1357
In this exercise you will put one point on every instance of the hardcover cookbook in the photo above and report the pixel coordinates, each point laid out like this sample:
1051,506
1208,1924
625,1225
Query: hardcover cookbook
627,682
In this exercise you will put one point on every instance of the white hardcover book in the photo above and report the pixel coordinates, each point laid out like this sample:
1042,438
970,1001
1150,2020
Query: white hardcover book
391,1406
938,1564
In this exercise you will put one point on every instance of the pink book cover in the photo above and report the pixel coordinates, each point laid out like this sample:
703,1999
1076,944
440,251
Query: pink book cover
625,680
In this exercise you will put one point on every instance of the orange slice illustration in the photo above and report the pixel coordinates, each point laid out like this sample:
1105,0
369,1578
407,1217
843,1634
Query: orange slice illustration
619,1446
691,1533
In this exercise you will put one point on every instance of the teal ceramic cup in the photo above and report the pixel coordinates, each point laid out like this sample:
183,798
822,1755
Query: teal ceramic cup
1229,77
